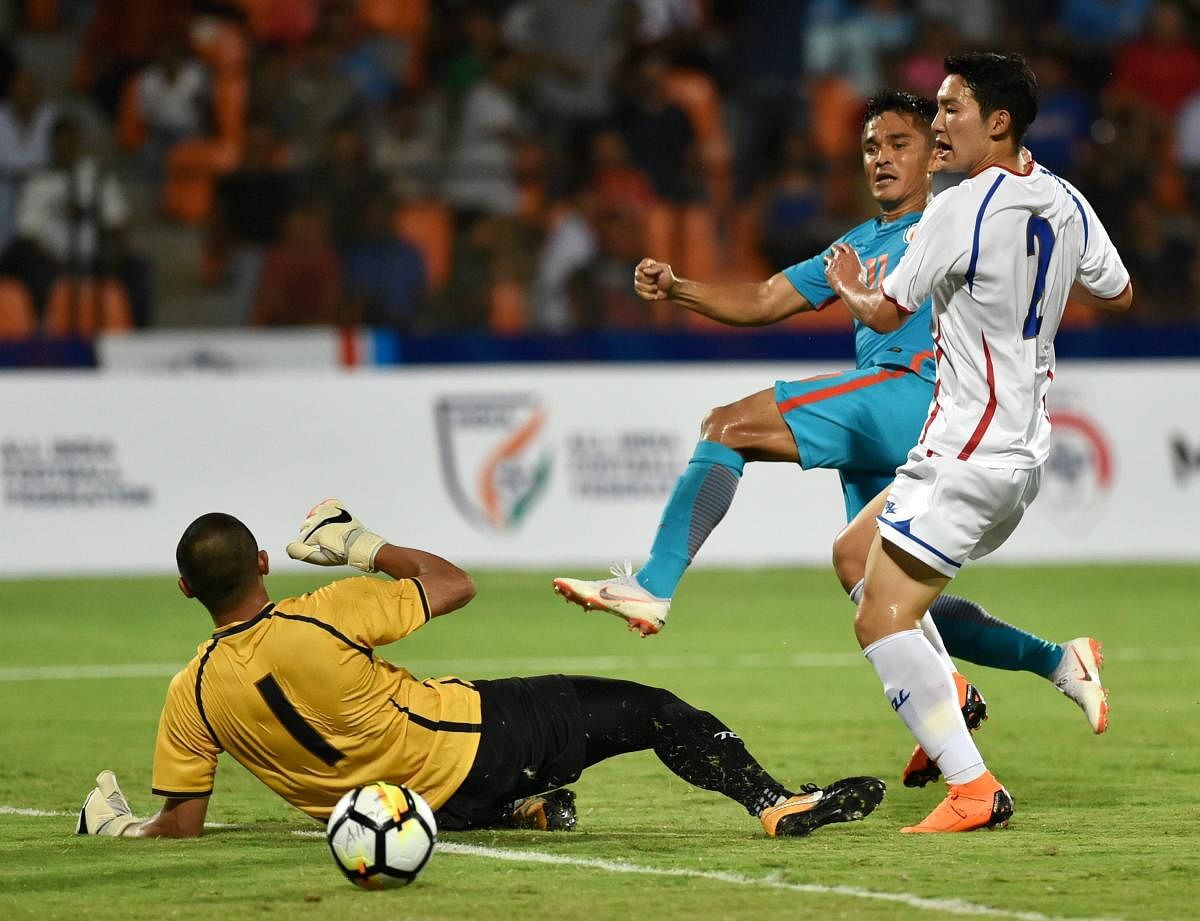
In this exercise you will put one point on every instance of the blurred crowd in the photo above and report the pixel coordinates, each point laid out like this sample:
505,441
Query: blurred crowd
500,165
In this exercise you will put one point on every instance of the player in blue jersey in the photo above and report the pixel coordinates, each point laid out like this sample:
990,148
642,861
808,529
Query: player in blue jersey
861,423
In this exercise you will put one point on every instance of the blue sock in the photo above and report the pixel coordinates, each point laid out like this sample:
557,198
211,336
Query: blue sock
702,496
971,633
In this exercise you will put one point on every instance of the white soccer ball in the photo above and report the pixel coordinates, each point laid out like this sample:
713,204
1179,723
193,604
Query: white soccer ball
381,835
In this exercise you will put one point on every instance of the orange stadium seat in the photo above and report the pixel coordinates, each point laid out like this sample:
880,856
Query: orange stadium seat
430,228
835,108
695,93
507,309
131,128
221,45
407,18
42,15
17,320
84,307
192,168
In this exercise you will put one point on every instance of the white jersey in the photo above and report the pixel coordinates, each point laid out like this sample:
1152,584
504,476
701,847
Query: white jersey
998,254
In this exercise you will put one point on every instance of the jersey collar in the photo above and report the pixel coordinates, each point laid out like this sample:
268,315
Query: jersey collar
240,625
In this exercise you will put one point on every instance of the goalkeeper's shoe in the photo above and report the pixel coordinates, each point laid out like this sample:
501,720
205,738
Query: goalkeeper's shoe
105,811
921,769
846,800
1078,676
980,803
620,595
553,811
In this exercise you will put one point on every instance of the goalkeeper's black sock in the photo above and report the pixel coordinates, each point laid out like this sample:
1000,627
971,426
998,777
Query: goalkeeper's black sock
623,716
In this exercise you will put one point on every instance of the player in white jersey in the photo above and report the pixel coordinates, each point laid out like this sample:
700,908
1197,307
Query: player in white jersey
999,254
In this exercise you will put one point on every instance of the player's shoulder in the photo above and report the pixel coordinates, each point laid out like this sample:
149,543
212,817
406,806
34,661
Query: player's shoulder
339,594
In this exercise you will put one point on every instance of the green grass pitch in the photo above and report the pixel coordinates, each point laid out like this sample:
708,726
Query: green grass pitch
1105,827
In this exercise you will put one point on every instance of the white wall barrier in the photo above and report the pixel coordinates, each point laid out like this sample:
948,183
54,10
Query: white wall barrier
525,467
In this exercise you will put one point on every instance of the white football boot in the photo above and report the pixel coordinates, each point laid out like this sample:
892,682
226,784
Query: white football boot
620,595
1078,676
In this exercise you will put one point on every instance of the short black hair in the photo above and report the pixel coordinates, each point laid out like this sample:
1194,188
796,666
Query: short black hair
999,81
921,108
218,559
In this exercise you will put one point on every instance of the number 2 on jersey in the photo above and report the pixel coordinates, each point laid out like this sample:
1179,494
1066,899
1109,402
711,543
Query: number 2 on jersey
1038,229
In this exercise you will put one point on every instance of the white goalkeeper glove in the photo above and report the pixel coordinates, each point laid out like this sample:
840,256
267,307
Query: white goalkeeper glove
331,536
105,811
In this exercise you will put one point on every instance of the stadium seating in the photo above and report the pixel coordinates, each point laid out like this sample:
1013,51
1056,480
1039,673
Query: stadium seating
17,320
84,307
429,226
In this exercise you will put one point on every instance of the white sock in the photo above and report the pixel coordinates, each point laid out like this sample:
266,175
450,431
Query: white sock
922,692
929,628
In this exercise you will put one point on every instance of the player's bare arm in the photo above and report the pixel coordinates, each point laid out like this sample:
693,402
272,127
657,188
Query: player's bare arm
106,812
845,274
747,304
447,588
1119,304
179,818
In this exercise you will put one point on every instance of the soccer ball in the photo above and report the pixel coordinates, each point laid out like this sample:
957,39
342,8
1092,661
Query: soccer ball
381,835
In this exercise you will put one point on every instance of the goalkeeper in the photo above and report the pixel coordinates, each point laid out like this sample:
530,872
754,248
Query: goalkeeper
294,691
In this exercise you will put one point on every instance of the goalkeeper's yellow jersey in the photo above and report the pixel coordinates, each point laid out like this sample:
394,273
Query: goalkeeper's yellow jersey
298,696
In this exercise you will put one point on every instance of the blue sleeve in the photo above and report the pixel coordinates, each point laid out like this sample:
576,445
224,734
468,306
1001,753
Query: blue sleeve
808,278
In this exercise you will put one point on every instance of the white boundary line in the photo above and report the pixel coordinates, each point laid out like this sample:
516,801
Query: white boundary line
949,906
566,664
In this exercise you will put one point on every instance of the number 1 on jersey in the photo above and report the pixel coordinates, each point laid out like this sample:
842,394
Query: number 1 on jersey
1038,229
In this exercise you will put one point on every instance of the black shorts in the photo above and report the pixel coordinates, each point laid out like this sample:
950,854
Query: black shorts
533,740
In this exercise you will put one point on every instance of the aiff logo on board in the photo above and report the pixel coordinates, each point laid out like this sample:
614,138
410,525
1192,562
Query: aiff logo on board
495,459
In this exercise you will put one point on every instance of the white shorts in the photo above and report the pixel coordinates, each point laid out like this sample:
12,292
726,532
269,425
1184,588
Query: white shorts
945,511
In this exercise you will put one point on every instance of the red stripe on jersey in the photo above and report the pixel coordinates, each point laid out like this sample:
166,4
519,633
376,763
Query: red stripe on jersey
918,360
988,412
937,386
815,396
899,306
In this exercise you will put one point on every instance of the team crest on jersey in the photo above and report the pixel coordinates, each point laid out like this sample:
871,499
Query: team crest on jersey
910,233
495,460
1079,471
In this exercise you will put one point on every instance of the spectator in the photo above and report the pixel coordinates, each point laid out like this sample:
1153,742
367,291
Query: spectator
1102,23
482,164
122,37
386,280
1160,70
615,179
314,100
64,212
1064,118
1160,258
570,246
374,64
659,134
26,123
173,99
345,182
249,208
793,223
301,282
408,149
481,46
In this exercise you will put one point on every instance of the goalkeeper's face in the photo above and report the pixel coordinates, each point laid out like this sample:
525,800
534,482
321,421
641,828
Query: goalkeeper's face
897,152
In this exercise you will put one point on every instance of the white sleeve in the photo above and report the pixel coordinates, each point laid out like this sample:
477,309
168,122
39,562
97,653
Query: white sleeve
1101,270
940,247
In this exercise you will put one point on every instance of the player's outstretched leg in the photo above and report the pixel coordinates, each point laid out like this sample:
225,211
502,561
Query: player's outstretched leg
621,716
701,497
971,633
749,430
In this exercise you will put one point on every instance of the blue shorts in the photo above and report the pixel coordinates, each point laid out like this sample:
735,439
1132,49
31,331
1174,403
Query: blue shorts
860,423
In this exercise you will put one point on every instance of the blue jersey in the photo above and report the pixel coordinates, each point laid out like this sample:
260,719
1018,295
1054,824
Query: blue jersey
879,245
